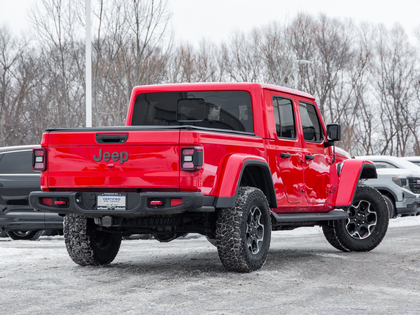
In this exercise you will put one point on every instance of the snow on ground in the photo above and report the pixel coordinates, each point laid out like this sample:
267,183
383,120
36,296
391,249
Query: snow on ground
398,222
405,221
303,275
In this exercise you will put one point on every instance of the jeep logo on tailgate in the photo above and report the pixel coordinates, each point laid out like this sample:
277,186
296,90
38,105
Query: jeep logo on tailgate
115,156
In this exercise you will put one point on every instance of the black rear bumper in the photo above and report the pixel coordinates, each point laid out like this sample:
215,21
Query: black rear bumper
137,204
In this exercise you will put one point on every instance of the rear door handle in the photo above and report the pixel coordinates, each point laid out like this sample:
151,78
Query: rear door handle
285,155
309,157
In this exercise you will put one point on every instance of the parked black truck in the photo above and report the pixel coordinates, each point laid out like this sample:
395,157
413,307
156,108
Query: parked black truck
17,179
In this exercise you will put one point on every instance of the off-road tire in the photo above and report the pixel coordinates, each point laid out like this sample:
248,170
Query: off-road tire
243,233
25,235
391,207
366,226
86,245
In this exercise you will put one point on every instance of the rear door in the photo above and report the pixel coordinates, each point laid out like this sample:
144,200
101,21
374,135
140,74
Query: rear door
289,153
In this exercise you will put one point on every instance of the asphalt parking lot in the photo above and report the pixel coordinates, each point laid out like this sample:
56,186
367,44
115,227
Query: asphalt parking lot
303,275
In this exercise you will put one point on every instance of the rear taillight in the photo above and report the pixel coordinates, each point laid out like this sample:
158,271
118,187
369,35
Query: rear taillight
47,201
192,158
39,159
55,202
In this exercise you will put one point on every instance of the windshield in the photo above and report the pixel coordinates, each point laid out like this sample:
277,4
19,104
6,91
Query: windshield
230,110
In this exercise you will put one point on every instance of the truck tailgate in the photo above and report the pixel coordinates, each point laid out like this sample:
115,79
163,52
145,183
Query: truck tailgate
114,159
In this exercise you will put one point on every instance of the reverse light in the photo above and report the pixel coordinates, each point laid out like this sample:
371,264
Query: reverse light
60,202
192,158
156,203
39,159
159,203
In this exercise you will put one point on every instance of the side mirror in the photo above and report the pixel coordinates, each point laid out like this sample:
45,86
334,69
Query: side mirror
333,132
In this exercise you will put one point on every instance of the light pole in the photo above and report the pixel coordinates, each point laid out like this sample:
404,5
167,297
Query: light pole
88,67
296,64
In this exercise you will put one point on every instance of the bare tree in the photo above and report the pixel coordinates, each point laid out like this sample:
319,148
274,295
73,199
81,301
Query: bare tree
13,86
108,44
240,57
395,78
188,64
55,22
148,22
366,78
301,35
330,70
362,126
275,50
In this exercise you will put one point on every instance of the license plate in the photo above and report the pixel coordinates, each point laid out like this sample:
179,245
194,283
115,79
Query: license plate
111,201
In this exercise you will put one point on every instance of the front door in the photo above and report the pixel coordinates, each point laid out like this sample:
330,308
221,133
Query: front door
317,161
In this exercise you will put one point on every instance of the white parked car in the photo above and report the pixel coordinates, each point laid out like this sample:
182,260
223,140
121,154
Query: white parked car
399,182
413,159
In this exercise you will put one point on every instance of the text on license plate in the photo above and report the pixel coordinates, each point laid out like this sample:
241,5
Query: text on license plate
111,201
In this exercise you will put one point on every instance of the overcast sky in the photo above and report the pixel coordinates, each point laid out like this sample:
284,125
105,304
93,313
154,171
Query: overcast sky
216,19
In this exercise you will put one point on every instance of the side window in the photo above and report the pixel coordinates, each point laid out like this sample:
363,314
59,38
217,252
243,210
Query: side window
384,165
311,125
16,163
285,118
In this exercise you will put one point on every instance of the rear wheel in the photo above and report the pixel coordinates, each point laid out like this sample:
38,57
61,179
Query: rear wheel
86,245
243,233
25,235
366,226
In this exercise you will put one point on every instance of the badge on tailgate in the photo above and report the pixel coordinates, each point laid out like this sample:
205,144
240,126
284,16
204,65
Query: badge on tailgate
111,201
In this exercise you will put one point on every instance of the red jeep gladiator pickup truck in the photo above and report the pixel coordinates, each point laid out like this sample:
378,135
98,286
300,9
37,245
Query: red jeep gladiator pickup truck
231,161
